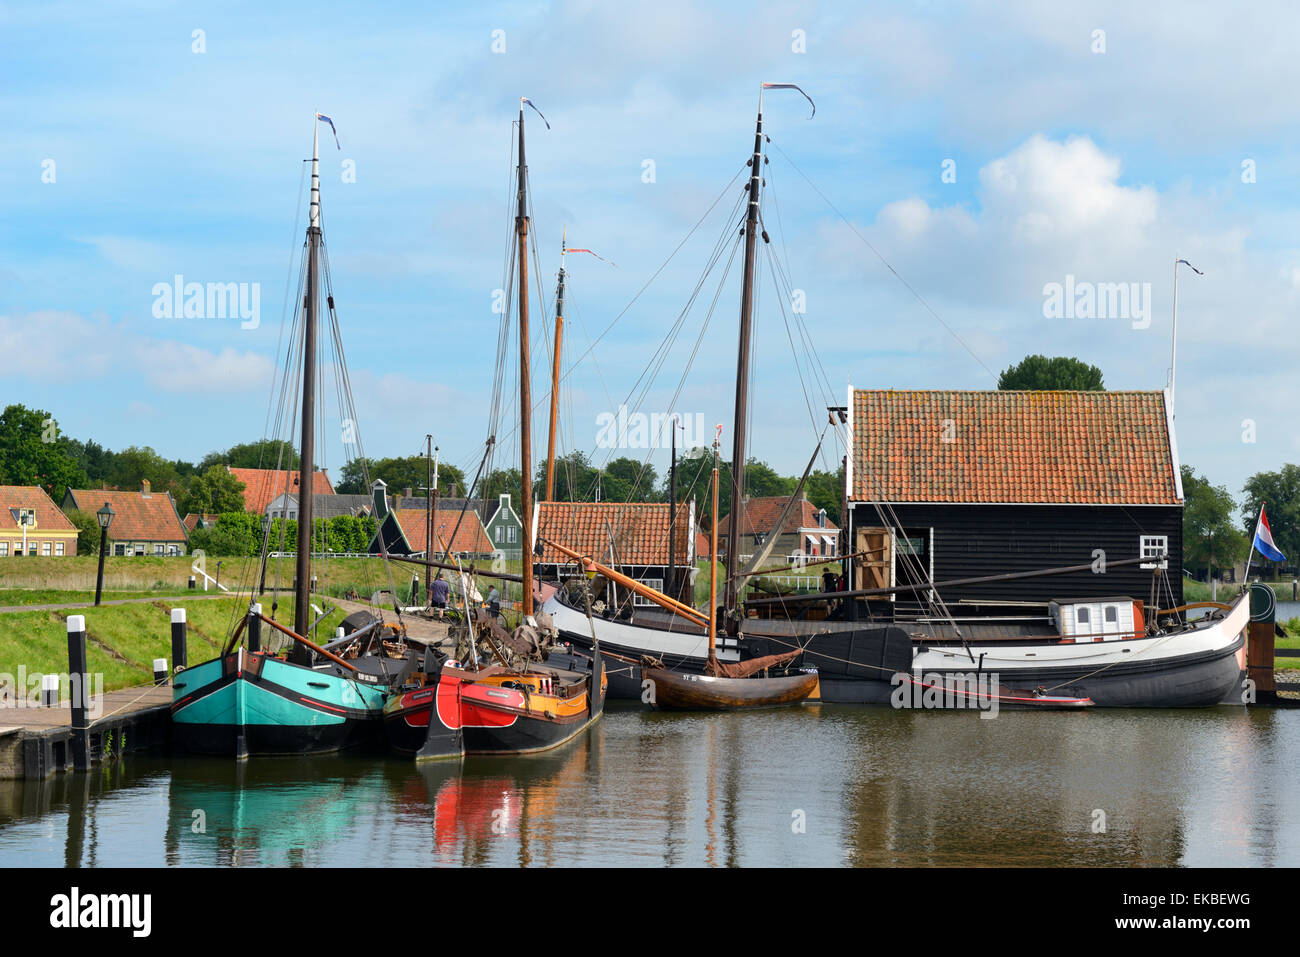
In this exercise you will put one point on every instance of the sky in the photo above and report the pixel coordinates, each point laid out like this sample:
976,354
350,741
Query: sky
962,159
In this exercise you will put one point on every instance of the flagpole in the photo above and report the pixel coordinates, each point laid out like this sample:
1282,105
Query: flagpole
1173,351
1253,535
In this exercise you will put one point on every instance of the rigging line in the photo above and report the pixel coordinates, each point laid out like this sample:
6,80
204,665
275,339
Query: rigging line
681,382
670,336
656,273
650,373
908,286
803,383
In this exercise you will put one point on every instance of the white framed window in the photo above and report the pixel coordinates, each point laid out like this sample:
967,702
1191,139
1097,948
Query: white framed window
656,583
159,549
512,535
139,549
45,549
1082,616
58,548
1154,546
119,548
4,549
173,549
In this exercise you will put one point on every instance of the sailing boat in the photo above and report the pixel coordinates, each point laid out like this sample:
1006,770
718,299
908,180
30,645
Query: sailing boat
728,687
451,708
1150,664
248,701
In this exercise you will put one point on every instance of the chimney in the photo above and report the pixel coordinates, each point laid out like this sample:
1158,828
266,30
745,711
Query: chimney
144,488
406,492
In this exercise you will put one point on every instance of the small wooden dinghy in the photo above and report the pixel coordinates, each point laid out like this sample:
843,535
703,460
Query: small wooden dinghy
678,691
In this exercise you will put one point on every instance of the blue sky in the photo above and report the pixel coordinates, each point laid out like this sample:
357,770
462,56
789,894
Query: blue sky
1069,162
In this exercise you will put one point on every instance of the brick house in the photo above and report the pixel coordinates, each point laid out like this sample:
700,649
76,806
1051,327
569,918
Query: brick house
31,524
144,522
405,531
631,537
806,533
261,486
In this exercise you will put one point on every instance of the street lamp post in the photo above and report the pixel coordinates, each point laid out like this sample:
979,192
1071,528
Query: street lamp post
105,516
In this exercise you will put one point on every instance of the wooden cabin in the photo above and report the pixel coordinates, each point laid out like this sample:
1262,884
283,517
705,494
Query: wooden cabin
956,485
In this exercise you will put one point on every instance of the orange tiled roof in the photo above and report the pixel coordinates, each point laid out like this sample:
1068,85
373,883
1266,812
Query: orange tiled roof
470,537
48,516
135,517
640,531
191,520
261,486
1076,448
760,515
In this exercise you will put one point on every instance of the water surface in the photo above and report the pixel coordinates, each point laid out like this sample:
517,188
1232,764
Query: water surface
817,785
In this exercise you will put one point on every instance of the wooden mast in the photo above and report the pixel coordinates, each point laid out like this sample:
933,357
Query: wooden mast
672,514
302,594
525,393
742,375
555,378
713,561
430,509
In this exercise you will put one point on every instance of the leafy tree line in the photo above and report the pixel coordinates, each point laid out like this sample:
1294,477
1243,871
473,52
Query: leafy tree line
239,534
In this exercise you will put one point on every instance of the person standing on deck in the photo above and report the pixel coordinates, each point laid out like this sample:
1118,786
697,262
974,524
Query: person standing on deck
494,602
438,594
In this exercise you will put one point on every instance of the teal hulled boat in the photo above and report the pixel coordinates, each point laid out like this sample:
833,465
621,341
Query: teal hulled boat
253,703
246,701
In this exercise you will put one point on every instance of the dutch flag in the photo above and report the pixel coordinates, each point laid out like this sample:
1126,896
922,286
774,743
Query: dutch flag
1264,539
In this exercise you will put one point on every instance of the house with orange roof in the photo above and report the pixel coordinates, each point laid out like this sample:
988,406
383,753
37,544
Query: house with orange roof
32,525
951,485
405,531
805,534
144,522
261,486
631,537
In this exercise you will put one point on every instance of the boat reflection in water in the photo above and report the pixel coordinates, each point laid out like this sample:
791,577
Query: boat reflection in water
821,785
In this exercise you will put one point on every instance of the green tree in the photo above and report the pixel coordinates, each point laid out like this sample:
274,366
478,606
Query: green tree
1060,373
1280,491
30,453
87,532
1210,536
259,454
826,490
135,464
213,492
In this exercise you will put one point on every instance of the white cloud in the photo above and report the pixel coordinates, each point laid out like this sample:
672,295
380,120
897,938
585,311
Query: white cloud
53,343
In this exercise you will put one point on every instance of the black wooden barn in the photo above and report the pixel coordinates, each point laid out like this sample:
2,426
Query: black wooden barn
957,485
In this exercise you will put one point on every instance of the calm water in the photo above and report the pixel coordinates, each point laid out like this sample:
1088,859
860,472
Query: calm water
872,787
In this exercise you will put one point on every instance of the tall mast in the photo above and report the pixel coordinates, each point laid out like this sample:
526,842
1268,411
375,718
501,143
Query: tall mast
742,374
672,514
431,504
525,393
302,596
555,377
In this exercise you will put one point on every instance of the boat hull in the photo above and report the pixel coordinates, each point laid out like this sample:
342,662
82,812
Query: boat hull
677,691
1201,667
457,716
251,704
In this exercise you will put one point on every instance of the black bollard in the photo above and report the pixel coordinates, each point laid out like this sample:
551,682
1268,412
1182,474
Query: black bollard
160,671
254,628
415,589
179,628
49,691
78,686
192,584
